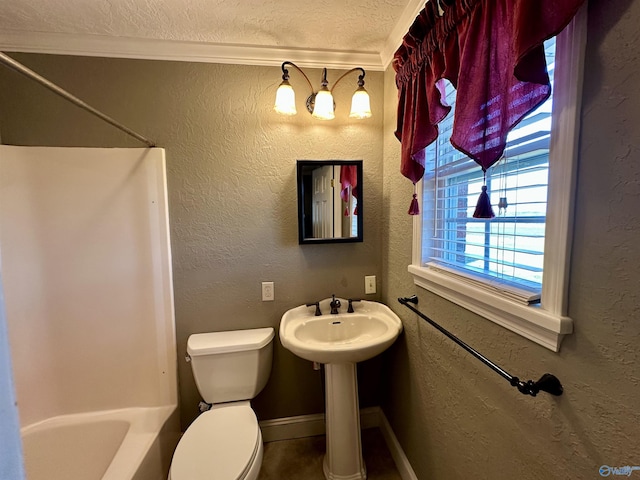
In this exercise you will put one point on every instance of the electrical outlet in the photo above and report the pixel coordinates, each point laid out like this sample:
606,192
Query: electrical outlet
268,294
369,284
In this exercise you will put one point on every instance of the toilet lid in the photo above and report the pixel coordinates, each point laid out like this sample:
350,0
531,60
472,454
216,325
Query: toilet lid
220,444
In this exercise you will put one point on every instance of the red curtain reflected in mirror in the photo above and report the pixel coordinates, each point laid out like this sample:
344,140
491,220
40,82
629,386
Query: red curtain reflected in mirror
349,185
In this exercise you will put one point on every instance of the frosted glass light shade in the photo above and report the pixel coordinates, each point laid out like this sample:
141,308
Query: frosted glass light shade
360,104
323,108
285,99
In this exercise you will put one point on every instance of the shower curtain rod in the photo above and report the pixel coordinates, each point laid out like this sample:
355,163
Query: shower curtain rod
548,383
18,67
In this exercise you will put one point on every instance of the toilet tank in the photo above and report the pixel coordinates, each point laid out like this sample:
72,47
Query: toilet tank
233,365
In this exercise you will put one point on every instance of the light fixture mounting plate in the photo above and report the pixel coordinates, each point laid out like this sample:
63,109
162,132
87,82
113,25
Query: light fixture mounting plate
311,101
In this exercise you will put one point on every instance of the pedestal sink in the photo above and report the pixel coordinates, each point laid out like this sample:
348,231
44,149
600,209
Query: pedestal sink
340,341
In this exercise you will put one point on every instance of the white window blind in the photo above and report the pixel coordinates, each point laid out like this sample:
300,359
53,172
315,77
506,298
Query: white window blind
505,252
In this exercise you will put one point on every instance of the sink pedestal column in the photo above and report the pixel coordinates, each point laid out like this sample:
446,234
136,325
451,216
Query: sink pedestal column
343,460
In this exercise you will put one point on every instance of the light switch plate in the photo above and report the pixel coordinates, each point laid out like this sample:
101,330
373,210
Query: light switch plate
369,284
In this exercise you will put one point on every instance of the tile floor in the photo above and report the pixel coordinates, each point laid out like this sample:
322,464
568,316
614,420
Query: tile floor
301,459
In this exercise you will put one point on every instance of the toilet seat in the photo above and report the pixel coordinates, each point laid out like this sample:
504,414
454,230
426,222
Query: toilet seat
221,444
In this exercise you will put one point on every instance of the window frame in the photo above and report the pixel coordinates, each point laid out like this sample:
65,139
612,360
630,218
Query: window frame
545,323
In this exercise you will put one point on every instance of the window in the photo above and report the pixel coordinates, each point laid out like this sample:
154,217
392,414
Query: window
511,269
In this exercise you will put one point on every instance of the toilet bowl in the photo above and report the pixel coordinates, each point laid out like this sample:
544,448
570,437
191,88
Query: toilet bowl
225,442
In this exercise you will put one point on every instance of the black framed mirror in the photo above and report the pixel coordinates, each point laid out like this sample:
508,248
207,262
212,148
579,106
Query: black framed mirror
329,201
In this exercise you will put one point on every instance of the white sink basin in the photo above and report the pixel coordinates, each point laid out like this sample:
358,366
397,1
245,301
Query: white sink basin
341,338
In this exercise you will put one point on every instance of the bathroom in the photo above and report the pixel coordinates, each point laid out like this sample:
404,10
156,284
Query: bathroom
232,207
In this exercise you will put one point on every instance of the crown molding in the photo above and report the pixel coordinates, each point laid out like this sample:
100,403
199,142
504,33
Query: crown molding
186,51
190,51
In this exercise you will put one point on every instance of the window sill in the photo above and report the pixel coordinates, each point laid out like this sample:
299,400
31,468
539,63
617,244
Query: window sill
529,321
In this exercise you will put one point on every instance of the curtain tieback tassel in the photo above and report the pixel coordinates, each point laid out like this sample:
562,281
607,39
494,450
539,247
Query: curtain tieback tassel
483,208
414,208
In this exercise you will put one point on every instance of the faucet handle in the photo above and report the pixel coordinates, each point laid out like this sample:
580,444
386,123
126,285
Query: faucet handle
350,307
317,305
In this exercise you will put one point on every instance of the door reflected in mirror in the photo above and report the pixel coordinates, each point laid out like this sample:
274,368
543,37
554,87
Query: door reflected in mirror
329,201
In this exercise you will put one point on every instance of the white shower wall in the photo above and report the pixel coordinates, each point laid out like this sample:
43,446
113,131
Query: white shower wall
87,278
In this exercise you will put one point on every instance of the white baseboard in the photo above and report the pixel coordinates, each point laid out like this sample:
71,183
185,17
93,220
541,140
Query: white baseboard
400,459
311,425
288,428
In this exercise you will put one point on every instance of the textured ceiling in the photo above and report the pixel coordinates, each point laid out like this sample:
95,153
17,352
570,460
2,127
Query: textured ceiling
322,27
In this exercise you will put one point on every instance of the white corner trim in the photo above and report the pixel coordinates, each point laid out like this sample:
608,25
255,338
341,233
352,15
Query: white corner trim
394,40
301,426
153,49
530,321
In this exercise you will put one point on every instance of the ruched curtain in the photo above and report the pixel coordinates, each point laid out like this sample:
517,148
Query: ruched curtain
492,52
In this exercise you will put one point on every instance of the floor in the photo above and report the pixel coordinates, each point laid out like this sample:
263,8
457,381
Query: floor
301,458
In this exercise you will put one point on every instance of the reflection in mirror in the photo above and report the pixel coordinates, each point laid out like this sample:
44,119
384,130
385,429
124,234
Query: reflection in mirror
329,201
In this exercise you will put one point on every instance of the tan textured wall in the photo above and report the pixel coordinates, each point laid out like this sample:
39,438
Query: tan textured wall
454,417
231,178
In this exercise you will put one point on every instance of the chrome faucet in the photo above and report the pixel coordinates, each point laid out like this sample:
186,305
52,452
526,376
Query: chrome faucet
335,304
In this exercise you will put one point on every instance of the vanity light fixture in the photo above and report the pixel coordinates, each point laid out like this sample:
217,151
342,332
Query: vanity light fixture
320,104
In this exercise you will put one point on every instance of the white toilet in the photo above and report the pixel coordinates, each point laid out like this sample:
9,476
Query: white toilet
225,443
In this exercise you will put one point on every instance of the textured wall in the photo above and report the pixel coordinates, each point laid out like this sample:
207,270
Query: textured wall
232,195
454,417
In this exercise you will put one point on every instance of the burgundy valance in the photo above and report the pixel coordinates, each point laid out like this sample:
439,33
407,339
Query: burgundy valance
492,52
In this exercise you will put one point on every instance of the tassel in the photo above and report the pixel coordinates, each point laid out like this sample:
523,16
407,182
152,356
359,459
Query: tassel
483,208
346,211
502,205
414,208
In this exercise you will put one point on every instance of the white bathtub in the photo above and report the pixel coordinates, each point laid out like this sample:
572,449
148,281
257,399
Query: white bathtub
126,444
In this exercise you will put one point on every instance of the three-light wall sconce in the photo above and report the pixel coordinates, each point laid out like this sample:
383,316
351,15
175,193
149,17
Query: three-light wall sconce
320,104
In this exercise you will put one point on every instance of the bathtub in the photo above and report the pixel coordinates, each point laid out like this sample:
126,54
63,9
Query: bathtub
125,444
